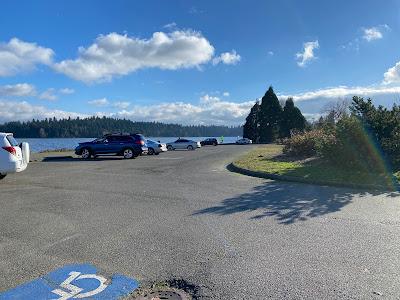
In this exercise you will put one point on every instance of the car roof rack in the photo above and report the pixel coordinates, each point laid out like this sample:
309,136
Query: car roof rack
120,133
116,133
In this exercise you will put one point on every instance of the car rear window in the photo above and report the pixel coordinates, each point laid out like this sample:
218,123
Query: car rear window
139,137
11,140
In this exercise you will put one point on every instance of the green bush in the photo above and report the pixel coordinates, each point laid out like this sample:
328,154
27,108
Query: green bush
384,123
391,148
353,146
304,144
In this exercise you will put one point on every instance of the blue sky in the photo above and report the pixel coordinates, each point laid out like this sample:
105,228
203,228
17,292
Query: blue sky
193,62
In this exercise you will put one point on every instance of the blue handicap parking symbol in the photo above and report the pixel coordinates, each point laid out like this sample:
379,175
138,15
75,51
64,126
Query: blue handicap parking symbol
73,282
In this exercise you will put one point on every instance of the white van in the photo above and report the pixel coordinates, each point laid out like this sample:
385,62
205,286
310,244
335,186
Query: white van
14,158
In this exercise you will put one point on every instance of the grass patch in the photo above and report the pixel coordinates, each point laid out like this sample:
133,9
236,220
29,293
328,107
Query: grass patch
270,159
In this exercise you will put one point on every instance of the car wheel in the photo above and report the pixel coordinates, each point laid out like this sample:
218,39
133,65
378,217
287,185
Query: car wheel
85,154
169,147
128,153
215,144
150,151
2,176
190,147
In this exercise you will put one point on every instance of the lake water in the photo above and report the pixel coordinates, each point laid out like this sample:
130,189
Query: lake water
38,145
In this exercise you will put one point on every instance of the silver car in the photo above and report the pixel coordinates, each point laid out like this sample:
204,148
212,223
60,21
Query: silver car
244,141
155,147
183,144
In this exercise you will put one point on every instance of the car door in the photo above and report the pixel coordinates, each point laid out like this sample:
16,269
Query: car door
182,144
176,144
100,146
117,143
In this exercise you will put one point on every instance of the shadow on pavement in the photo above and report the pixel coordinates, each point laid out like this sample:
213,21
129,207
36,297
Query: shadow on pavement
70,158
288,202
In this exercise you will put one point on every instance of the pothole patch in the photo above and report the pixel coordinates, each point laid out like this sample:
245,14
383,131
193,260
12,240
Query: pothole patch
174,289
164,295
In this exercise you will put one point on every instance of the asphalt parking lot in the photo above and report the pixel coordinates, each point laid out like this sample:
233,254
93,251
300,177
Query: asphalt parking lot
183,215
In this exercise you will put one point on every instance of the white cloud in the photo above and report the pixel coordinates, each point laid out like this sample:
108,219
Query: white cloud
18,90
225,94
121,104
170,26
373,33
343,92
29,90
18,56
308,53
369,34
67,91
312,103
392,75
23,111
227,58
208,99
210,110
48,94
270,53
99,102
114,54
352,45
104,102
194,11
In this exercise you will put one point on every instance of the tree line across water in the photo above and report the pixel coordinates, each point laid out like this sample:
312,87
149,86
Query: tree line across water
96,126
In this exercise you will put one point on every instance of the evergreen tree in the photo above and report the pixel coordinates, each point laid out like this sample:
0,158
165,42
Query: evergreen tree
251,127
292,118
270,117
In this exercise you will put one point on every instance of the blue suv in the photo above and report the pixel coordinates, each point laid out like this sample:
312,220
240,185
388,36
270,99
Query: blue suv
126,145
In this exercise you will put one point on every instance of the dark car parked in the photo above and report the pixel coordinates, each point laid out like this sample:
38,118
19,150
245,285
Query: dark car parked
209,141
126,145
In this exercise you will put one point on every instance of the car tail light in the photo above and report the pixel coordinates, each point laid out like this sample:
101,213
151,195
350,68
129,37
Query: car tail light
11,150
139,142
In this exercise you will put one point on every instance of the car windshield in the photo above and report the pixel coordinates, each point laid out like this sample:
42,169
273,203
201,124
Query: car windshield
99,140
200,149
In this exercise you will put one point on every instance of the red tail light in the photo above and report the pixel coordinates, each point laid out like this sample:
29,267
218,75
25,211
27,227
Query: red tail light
139,142
11,150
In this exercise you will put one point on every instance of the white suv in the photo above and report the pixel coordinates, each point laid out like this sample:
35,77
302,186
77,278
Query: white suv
13,157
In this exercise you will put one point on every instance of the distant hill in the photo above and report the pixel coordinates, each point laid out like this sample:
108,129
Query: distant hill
96,126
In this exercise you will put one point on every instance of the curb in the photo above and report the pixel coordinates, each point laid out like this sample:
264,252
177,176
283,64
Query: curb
234,168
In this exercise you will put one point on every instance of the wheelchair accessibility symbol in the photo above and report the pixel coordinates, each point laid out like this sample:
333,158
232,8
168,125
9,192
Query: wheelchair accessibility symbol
70,290
81,281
